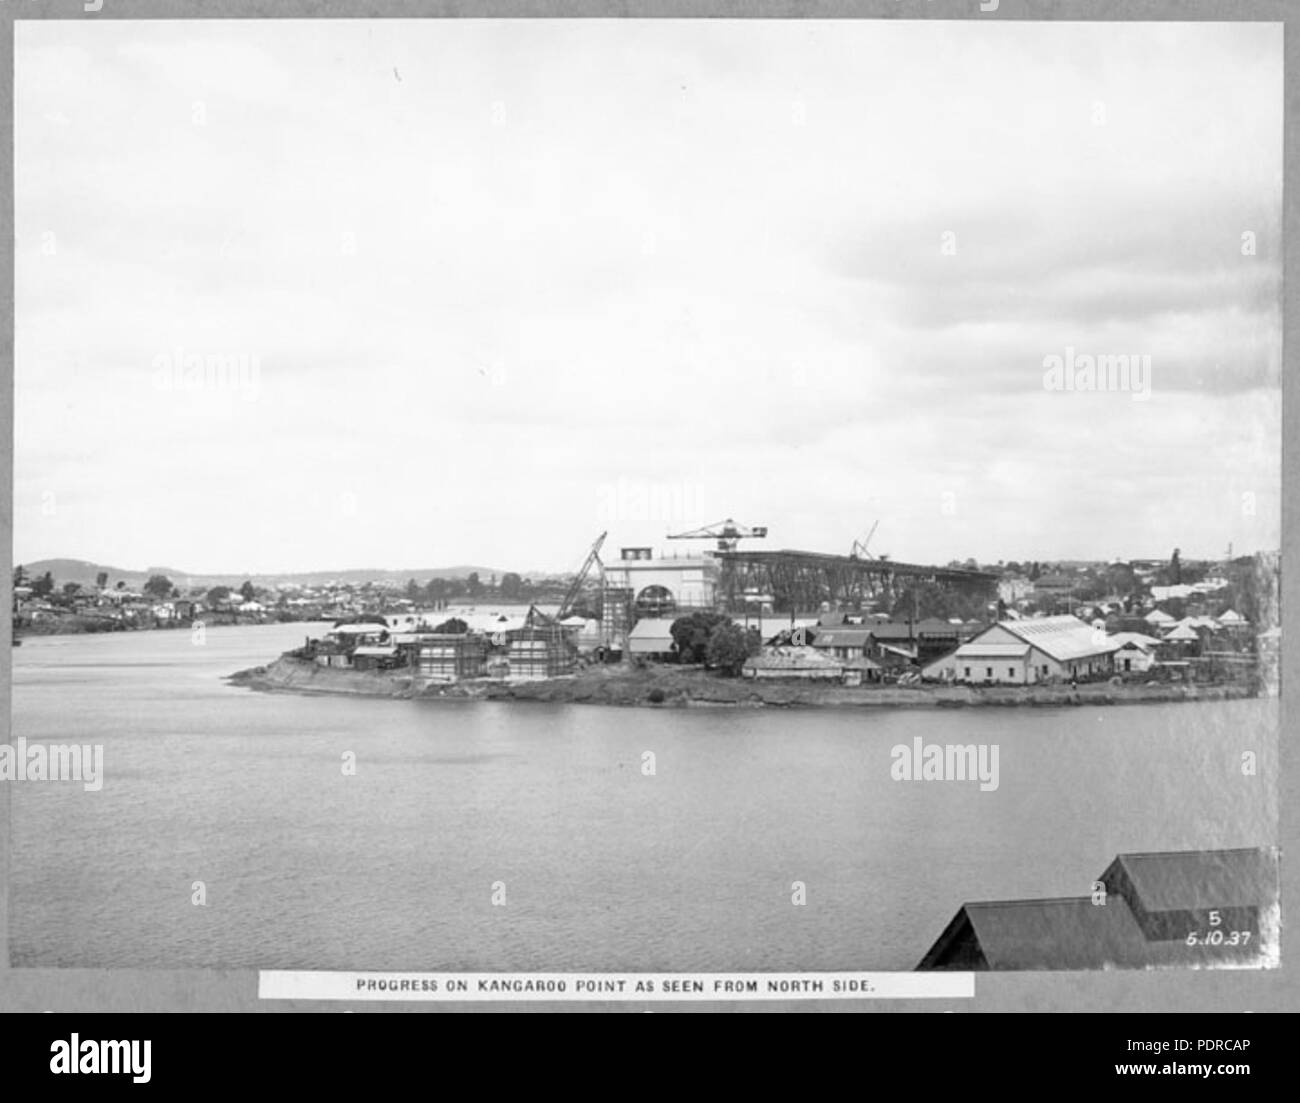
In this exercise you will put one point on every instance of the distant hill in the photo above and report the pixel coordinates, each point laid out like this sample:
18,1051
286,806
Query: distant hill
85,572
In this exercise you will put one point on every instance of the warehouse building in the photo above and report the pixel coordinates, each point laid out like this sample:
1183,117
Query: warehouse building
1025,652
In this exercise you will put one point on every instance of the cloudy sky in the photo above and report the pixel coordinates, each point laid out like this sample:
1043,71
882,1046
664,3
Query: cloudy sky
297,295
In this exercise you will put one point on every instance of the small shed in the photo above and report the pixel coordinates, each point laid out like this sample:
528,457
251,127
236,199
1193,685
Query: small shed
374,657
1136,654
843,643
857,671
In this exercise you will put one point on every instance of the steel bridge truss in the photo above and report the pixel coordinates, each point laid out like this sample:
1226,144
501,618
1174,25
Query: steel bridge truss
802,582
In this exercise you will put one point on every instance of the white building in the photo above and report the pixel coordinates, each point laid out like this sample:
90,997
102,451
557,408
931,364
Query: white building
1013,588
662,586
1025,652
1136,654
1166,593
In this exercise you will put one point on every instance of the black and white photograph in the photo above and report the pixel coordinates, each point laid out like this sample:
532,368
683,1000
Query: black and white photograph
717,499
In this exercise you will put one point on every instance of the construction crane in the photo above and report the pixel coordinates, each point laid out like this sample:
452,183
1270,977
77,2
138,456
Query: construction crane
575,588
859,550
860,546
727,533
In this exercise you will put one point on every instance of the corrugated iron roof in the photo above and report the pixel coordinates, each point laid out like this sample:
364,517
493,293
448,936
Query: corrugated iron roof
894,630
992,651
804,659
1135,639
1072,933
1199,879
651,628
842,637
1063,638
1075,933
1057,934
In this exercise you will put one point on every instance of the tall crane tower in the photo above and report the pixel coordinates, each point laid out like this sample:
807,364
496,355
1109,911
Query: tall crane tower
859,550
575,588
727,533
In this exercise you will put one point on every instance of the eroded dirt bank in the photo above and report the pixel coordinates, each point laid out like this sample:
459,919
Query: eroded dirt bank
675,687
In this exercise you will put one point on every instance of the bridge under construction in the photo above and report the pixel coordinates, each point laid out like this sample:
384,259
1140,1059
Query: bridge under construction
803,581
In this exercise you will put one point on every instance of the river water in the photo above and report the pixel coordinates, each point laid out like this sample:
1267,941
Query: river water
602,866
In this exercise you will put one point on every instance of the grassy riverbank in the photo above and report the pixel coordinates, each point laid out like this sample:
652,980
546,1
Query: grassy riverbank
691,687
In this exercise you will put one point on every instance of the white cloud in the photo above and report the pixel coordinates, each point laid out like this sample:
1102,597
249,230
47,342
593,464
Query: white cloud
487,268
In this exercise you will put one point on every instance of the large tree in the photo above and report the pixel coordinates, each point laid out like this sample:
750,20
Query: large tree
218,594
729,646
159,586
44,585
474,585
246,591
511,586
101,579
691,635
1121,579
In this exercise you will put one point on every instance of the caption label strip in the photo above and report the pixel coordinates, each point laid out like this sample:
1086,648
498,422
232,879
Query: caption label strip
612,987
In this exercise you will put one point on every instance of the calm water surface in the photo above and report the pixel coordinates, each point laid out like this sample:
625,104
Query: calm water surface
603,867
